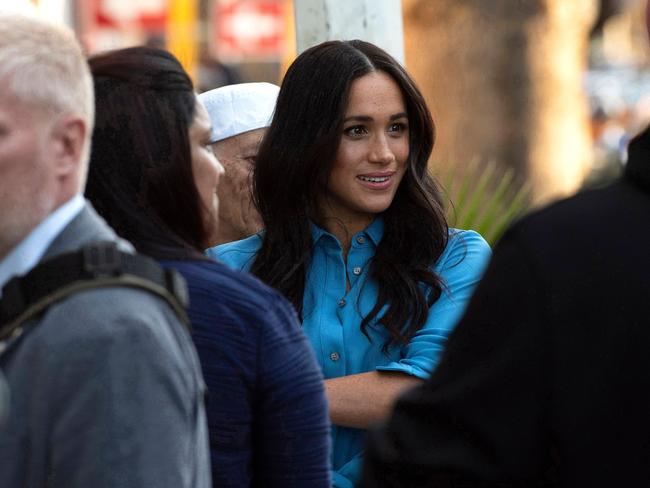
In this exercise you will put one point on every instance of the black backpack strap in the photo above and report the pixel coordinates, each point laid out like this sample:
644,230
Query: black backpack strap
97,265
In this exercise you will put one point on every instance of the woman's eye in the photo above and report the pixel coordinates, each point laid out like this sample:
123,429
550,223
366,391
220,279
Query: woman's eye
355,131
398,127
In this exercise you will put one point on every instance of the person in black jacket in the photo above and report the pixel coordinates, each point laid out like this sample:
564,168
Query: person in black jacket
546,380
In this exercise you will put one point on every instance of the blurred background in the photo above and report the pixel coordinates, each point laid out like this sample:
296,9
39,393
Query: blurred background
533,99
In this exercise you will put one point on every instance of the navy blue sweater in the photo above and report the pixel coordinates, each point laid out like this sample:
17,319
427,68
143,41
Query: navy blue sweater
266,410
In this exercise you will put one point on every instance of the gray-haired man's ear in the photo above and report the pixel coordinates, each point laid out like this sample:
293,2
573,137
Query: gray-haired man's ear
68,140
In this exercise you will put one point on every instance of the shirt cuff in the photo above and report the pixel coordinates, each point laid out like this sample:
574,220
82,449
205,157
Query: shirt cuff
409,369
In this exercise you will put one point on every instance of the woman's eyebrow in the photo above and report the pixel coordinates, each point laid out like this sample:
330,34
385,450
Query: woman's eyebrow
358,118
399,116
366,118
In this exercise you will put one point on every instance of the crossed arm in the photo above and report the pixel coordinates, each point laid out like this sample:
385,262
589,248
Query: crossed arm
364,399
361,400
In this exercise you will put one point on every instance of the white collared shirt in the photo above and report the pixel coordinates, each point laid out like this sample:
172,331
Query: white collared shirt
29,252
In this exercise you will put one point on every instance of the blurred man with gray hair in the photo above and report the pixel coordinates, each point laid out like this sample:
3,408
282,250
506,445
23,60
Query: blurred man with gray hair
104,384
240,115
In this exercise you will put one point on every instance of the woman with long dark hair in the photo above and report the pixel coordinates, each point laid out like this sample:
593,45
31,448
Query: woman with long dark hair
355,234
153,177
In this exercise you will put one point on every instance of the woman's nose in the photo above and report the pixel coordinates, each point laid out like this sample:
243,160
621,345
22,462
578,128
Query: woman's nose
380,151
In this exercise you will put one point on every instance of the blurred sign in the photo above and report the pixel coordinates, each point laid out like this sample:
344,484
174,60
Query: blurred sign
170,24
249,30
108,24
144,14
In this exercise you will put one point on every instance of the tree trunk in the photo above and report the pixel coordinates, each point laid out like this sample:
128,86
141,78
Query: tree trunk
503,79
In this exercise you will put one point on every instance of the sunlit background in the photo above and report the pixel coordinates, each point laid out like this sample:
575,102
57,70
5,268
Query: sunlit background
549,107
247,39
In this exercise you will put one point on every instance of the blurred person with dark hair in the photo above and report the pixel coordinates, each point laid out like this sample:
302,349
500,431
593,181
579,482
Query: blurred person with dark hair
240,115
212,73
355,234
546,379
105,385
154,177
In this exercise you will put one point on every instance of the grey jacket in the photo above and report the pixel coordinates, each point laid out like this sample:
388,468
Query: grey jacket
106,391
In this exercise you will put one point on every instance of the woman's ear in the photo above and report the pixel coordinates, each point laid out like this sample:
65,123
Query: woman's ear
68,138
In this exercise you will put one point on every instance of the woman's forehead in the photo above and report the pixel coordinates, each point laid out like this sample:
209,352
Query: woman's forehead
375,92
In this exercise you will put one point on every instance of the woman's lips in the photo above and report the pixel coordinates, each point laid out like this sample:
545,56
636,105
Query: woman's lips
376,181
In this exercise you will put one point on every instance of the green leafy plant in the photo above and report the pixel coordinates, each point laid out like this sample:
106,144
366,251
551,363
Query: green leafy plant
485,198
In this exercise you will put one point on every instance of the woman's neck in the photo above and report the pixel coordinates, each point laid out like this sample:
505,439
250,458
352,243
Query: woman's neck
343,230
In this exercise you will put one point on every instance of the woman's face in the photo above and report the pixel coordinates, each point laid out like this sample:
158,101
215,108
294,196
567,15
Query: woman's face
206,169
372,154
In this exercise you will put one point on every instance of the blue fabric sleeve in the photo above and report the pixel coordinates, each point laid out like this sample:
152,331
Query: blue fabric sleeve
293,427
460,268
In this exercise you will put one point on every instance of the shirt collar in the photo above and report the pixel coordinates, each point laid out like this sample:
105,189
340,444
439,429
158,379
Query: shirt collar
317,232
29,252
375,231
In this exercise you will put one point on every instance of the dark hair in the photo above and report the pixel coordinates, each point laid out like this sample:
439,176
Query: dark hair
301,146
140,177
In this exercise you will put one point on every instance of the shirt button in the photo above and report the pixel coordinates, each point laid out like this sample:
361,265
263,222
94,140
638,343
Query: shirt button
342,302
335,356
361,239
357,271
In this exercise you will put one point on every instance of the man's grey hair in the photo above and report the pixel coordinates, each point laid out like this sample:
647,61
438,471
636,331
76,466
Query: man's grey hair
45,67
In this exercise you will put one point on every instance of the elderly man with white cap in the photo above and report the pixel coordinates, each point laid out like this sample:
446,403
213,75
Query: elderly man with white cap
240,115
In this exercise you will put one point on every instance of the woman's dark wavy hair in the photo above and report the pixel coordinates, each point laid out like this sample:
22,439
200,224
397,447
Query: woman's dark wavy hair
295,159
140,176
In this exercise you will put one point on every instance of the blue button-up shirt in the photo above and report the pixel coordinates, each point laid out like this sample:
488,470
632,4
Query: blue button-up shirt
332,315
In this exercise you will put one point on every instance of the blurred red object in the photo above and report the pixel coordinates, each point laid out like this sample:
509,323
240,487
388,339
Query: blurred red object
102,21
250,29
